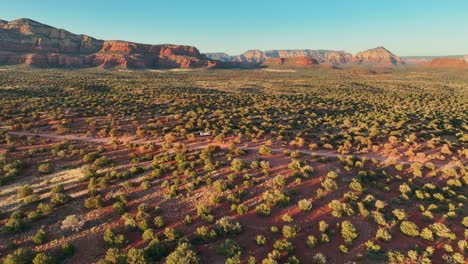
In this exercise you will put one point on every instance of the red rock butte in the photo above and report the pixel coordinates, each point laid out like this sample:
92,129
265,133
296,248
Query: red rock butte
30,42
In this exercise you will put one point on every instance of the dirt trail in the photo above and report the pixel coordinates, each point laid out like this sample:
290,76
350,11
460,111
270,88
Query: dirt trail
198,146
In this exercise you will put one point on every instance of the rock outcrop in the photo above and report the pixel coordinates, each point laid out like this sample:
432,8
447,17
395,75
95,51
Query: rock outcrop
33,43
449,63
379,55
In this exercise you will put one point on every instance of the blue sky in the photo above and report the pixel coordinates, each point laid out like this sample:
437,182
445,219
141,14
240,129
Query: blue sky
410,27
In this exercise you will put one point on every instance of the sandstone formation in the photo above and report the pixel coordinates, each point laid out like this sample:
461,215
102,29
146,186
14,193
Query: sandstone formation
378,55
449,63
30,42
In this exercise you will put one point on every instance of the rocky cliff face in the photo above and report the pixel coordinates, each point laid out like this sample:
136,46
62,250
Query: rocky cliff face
30,42
378,55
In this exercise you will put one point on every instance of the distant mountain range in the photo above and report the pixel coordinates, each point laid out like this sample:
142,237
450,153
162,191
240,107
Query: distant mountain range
25,41
379,55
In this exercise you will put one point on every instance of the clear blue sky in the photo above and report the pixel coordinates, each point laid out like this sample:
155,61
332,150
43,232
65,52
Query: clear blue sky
409,27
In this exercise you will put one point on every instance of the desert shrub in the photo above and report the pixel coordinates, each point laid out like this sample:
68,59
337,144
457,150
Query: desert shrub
409,228
159,221
283,245
19,256
220,185
15,223
343,249
237,165
263,209
114,255
465,221
129,221
261,240
67,249
204,233
287,218
323,226
43,258
45,168
383,234
171,234
24,191
242,209
229,248
40,237
348,232
373,248
290,231
227,225
356,186
305,205
311,241
72,222
236,259
399,214
119,207
427,234
442,231
114,240
57,199
276,197
274,229
148,235
94,202
395,257
279,181
188,220
155,250
339,209
136,256
319,258
265,150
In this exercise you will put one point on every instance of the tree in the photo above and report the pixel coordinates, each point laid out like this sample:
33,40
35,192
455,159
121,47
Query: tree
409,228
265,150
136,256
305,205
43,258
183,254
237,165
40,237
348,232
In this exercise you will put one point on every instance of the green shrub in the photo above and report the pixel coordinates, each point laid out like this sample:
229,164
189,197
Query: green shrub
40,237
45,168
305,205
227,225
348,232
114,240
94,202
159,221
311,241
229,248
19,256
409,228
260,239
263,209
283,245
43,258
290,231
